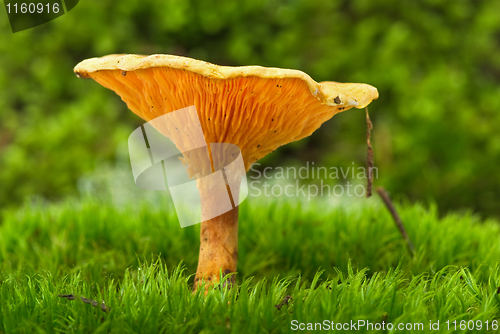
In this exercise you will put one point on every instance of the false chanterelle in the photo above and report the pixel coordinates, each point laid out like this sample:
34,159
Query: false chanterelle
256,108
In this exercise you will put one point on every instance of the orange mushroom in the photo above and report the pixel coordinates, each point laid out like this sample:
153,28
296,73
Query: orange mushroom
256,108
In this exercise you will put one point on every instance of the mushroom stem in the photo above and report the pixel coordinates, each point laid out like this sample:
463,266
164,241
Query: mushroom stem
218,249
218,238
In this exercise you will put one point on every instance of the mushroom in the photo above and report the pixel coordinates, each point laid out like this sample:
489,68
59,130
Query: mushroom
256,108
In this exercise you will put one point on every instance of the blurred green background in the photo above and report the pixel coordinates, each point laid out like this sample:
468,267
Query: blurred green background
435,63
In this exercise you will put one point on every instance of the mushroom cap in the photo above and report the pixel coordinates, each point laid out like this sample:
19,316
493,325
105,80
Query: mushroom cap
256,108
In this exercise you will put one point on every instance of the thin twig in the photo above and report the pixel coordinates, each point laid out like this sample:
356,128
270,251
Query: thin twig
369,155
92,302
388,203
285,301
